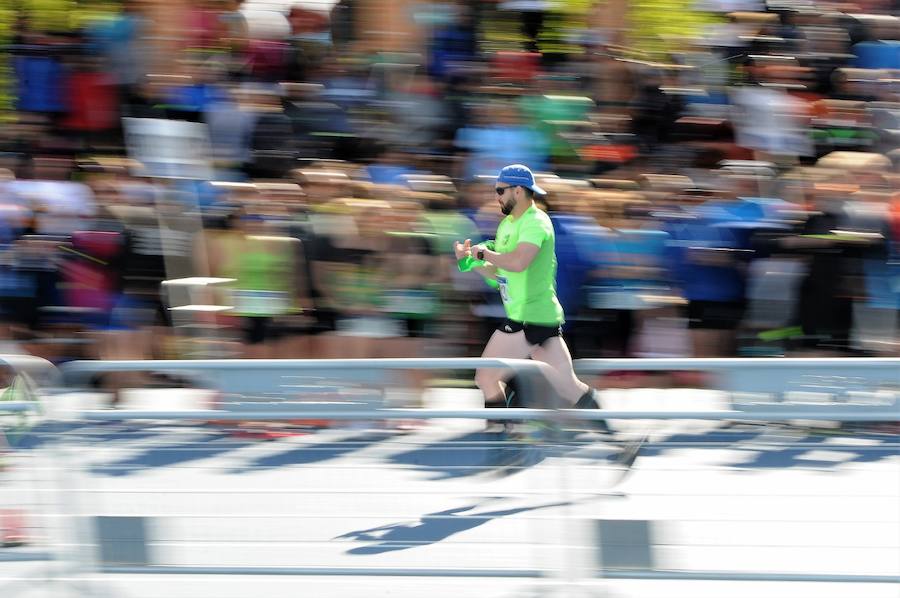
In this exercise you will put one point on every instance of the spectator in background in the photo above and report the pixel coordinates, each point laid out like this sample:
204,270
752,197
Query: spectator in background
126,304
199,89
230,125
122,43
708,256
309,43
93,105
410,289
769,119
551,109
575,233
324,223
320,127
40,72
205,27
272,143
343,19
285,211
872,216
265,268
353,272
417,116
499,137
627,286
824,309
453,44
653,111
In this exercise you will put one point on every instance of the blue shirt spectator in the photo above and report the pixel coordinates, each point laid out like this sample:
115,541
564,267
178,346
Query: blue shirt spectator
491,148
708,247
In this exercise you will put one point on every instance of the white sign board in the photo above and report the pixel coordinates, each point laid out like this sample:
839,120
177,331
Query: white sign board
169,148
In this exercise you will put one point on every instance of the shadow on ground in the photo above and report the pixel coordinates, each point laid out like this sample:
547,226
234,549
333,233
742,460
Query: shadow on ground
430,528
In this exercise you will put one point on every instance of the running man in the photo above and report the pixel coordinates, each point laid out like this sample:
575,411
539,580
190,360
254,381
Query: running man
521,263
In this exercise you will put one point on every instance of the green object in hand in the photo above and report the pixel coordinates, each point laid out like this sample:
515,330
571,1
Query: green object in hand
468,263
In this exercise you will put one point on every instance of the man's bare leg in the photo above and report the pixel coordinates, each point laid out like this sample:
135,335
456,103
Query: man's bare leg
555,353
501,345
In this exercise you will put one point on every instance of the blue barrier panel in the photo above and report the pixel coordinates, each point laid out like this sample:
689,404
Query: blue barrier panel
801,384
299,411
281,378
847,389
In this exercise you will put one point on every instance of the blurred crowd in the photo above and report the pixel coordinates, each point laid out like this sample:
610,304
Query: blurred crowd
281,189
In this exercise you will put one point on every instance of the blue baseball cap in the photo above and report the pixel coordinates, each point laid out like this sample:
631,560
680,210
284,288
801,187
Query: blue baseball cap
519,175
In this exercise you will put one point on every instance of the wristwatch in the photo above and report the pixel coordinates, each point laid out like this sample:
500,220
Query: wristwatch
479,255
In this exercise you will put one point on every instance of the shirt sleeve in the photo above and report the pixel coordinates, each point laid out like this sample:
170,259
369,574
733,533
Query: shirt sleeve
535,231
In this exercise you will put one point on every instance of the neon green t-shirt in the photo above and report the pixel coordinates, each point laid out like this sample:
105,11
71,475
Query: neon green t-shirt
530,296
265,275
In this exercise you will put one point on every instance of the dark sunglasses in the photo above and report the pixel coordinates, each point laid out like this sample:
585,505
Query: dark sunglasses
502,190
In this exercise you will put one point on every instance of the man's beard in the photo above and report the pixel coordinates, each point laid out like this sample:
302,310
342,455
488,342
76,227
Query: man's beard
507,207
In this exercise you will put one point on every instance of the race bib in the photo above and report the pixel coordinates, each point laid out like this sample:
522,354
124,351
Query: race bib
261,303
503,286
411,302
370,327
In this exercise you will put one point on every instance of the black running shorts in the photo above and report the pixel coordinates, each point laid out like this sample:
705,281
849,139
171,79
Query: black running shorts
535,334
715,315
